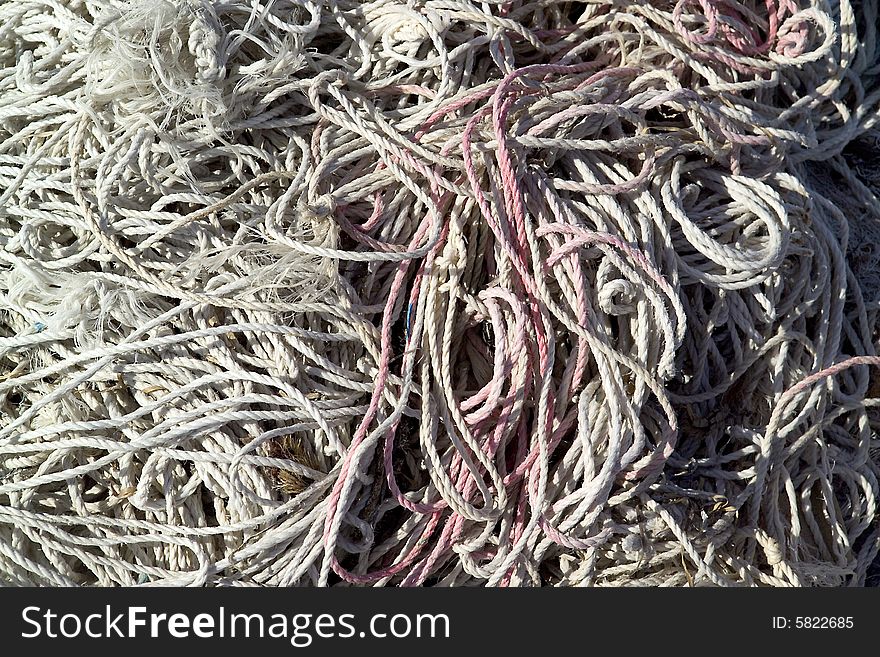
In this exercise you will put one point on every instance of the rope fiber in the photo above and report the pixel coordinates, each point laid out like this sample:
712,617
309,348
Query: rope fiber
439,292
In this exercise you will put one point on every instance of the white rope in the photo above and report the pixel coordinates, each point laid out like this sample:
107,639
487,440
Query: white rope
439,292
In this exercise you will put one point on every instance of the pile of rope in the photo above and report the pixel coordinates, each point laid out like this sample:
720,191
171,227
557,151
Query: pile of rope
439,292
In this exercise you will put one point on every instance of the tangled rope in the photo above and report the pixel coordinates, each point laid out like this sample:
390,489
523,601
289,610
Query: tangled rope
439,292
